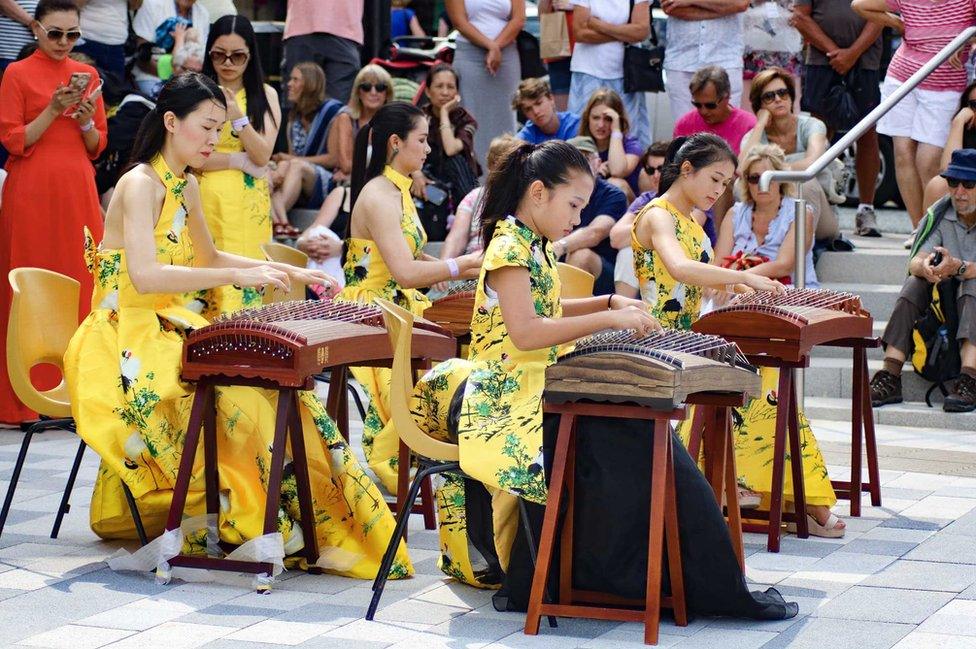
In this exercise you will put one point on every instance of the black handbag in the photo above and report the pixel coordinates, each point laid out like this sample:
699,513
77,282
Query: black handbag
530,56
840,106
644,67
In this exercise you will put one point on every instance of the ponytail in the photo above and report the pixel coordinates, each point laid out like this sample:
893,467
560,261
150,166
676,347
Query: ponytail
700,150
181,96
550,162
363,165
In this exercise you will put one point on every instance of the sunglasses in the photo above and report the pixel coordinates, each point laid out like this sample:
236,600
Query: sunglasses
710,105
753,179
650,171
235,58
57,34
770,95
955,182
369,87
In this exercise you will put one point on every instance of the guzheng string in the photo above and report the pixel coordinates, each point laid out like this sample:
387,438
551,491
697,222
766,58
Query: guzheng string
465,286
802,300
662,346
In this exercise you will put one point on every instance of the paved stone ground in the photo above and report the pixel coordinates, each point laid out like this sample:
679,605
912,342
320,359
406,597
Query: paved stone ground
905,576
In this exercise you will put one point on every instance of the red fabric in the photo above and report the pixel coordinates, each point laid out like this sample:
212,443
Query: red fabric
740,261
48,197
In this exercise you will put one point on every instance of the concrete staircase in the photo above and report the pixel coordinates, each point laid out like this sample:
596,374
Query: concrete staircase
875,271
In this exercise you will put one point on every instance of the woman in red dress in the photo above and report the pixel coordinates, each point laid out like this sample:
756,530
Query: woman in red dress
53,124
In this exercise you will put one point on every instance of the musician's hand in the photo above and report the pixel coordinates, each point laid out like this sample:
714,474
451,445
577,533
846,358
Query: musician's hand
636,319
742,288
309,276
261,276
760,283
440,287
619,302
470,265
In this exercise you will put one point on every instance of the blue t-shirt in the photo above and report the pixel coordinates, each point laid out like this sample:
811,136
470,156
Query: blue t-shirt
611,201
400,22
568,127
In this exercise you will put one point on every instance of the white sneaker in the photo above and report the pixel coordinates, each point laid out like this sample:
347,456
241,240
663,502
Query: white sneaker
910,241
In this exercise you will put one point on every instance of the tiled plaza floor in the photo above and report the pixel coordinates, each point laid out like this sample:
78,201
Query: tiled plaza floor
903,577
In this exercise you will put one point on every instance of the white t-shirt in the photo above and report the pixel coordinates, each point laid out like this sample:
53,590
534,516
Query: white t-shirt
153,13
602,60
488,16
105,21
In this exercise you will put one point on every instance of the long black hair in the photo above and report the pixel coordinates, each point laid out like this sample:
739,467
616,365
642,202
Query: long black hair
700,150
550,162
396,118
181,95
257,100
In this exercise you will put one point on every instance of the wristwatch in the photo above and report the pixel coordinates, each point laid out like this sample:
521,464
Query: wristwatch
963,267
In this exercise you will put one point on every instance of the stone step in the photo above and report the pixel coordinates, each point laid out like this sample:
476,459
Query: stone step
843,352
833,377
890,221
878,299
863,266
909,414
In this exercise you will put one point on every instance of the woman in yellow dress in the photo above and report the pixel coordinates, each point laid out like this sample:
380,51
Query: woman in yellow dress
234,185
384,253
674,264
123,364
535,197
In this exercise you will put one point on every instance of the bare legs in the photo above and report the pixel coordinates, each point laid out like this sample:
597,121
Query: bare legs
916,163
298,177
867,165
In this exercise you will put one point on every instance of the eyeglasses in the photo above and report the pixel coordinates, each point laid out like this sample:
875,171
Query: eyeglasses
57,34
955,182
710,105
650,171
753,179
378,87
235,58
770,95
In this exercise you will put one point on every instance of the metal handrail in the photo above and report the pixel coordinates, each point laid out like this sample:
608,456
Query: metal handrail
828,156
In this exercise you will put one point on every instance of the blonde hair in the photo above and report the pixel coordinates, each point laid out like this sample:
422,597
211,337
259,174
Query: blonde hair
499,148
530,90
369,73
771,153
313,89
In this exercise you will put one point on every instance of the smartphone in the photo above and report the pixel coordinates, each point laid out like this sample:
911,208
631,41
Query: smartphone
436,195
936,259
79,81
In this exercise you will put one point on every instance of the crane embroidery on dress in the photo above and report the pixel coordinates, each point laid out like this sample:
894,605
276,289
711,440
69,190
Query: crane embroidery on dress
129,368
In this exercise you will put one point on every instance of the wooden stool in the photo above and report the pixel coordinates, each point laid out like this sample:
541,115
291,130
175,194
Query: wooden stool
663,526
337,405
288,427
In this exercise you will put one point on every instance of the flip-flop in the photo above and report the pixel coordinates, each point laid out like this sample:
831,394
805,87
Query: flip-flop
828,531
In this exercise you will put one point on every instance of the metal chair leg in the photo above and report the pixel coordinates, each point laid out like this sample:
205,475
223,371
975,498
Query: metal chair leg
401,525
15,477
359,404
65,506
136,518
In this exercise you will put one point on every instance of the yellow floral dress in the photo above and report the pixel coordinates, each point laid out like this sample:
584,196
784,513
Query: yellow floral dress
498,422
367,278
123,372
677,306
237,207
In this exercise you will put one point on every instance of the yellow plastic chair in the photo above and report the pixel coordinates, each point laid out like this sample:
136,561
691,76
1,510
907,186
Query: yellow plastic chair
43,318
433,455
286,255
576,282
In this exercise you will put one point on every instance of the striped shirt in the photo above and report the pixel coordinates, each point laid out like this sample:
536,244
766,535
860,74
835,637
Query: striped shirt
13,35
929,26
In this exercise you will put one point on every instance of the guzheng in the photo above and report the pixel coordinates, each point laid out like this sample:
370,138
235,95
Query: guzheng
454,310
788,325
659,370
291,342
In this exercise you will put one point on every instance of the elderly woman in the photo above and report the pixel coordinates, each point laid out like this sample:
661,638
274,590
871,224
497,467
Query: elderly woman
606,121
802,138
372,88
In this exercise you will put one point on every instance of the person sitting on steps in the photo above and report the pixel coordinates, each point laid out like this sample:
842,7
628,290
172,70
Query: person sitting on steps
955,238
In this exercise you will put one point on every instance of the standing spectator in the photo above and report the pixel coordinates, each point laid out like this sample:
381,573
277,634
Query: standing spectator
606,121
234,187
15,28
601,27
372,88
327,33
403,20
49,197
919,123
451,138
487,62
588,245
535,99
714,111
770,41
559,72
217,9
105,28
154,25
844,45
962,135
707,32
803,138
306,169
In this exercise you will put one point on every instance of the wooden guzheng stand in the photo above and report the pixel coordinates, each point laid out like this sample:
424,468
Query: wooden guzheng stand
612,375
781,331
279,347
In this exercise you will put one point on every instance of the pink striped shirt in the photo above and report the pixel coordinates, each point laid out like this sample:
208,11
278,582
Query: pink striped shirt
929,26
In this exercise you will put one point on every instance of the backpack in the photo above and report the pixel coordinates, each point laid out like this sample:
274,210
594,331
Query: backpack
122,129
935,350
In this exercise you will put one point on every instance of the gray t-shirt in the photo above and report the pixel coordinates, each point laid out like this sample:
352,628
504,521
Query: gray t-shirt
838,20
952,235
806,126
